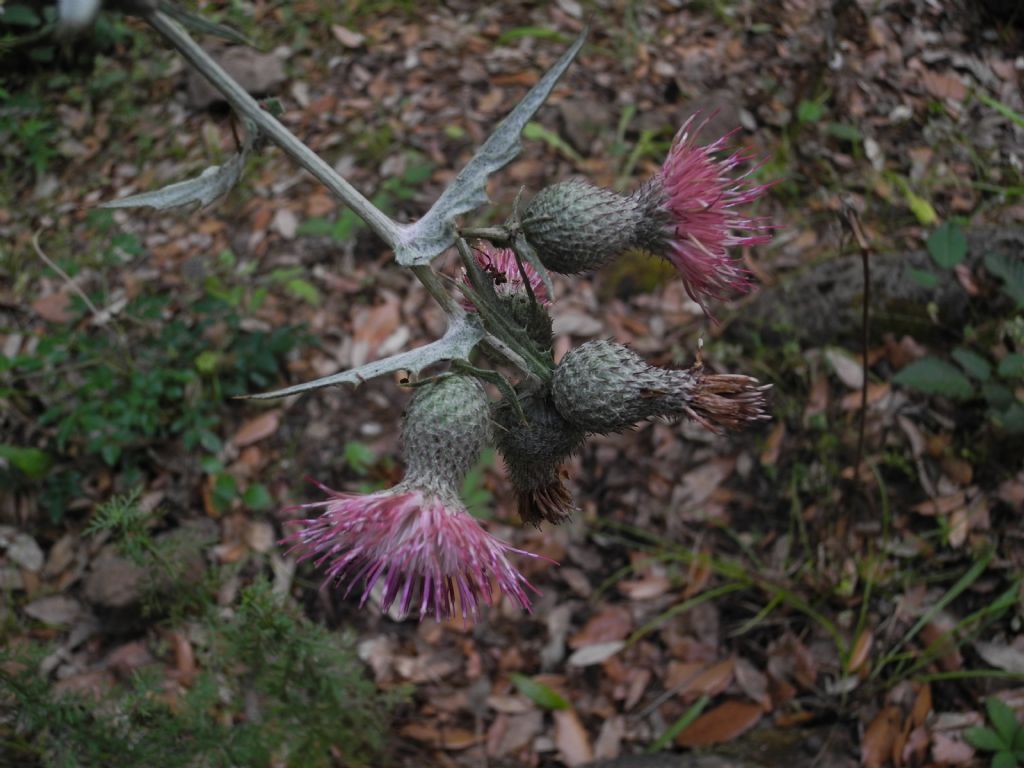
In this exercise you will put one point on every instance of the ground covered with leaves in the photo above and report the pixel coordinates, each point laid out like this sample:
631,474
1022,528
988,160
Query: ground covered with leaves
840,586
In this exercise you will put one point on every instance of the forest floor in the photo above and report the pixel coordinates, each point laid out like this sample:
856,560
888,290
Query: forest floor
786,595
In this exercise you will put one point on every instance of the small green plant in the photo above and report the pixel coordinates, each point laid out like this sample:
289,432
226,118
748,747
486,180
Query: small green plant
118,391
123,518
1005,739
976,374
272,689
175,584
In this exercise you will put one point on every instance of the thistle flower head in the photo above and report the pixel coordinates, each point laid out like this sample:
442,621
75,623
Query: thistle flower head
430,554
446,426
605,387
695,196
535,451
576,227
417,539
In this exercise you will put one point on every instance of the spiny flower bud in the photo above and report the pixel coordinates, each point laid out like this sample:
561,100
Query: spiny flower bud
686,214
513,295
604,387
576,227
417,538
446,426
534,452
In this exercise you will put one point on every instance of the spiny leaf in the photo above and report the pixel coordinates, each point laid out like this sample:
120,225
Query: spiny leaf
198,24
935,377
216,181
427,238
458,341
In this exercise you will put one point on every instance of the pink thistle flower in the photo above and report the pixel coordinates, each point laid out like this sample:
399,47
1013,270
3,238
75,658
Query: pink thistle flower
429,553
696,195
501,266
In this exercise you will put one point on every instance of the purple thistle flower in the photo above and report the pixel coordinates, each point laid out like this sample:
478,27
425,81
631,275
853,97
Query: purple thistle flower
696,196
429,553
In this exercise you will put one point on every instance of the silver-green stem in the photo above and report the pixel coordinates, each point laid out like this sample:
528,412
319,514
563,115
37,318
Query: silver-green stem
435,288
500,236
270,127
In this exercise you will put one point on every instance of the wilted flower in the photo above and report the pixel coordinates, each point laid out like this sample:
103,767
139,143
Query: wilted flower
417,538
687,213
605,387
535,451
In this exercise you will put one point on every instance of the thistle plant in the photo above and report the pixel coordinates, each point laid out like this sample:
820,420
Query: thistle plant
415,544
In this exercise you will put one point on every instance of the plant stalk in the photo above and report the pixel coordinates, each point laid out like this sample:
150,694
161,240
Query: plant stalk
268,125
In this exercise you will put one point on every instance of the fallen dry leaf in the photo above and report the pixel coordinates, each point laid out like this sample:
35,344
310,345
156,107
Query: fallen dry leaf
609,740
614,622
922,705
184,660
948,750
847,368
1009,658
773,444
723,723
511,733
879,737
372,326
936,636
429,667
440,737
876,391
654,585
861,648
590,655
54,307
753,682
571,739
509,704
58,610
959,527
259,428
944,85
95,684
347,37
700,483
691,680
942,505
24,551
127,658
